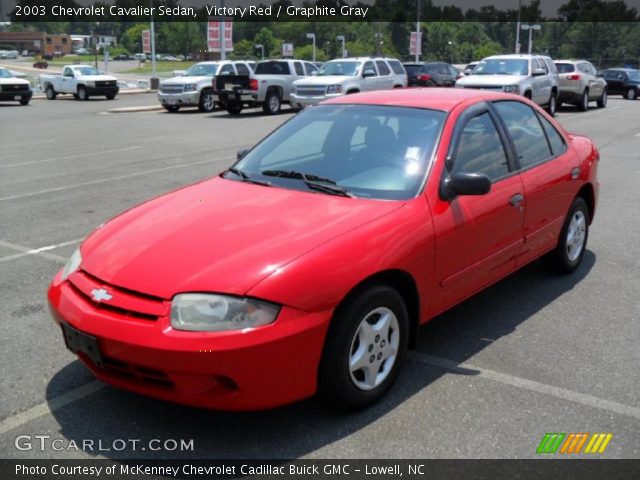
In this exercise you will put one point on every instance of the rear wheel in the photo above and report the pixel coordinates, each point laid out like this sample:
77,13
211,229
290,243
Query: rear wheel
602,101
567,255
632,94
364,348
234,108
272,103
82,93
583,106
551,106
171,108
207,101
51,93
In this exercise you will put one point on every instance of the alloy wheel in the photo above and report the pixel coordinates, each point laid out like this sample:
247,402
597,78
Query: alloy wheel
576,234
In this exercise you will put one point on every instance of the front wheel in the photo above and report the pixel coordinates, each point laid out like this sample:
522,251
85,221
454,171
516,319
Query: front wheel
364,348
171,108
632,94
111,96
272,103
567,255
82,93
207,102
51,93
24,102
602,101
551,107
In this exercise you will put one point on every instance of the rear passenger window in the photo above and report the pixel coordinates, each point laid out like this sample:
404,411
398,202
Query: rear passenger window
299,69
480,149
525,129
382,68
242,69
555,139
227,69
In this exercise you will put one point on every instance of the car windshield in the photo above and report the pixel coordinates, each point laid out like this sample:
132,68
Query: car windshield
340,68
86,71
272,68
565,67
369,151
4,73
202,70
502,66
634,75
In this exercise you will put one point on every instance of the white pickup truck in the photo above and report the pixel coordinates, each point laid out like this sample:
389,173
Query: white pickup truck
194,88
81,81
269,87
12,88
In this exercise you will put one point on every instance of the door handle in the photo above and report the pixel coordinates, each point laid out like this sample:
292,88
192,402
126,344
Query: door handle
516,200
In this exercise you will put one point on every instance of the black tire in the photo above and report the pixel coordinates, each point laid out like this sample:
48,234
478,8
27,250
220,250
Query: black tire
602,101
336,382
51,93
632,94
24,102
272,103
552,106
527,95
171,108
234,108
111,96
351,92
207,102
583,106
559,260
82,93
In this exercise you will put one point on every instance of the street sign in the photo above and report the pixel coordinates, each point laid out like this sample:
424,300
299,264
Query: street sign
146,41
287,50
214,27
415,43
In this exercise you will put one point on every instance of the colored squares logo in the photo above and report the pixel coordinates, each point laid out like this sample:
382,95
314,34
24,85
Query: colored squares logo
582,442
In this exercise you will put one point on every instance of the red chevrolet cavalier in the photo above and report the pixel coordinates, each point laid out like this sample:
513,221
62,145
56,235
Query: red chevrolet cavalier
309,265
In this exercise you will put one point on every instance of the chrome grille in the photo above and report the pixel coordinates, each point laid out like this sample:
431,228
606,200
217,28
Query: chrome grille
311,91
171,88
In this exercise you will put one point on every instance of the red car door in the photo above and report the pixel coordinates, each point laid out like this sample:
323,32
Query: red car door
478,238
549,172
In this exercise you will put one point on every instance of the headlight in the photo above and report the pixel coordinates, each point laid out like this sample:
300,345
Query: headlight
72,264
201,312
90,83
511,88
191,87
334,89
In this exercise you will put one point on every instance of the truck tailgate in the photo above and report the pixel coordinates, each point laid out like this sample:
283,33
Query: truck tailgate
231,83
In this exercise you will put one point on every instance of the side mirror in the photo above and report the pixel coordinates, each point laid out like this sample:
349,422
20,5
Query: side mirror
538,72
368,73
242,153
464,183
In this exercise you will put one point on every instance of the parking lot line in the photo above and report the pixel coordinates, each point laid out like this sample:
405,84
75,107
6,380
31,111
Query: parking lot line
30,251
48,407
68,157
24,251
22,145
119,177
531,385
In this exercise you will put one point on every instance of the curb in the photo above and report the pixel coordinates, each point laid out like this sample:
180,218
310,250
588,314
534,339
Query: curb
150,108
42,96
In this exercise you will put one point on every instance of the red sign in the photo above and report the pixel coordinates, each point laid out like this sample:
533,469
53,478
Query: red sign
214,27
415,42
146,41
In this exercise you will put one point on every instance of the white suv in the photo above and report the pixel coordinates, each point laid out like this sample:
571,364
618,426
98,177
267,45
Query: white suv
348,75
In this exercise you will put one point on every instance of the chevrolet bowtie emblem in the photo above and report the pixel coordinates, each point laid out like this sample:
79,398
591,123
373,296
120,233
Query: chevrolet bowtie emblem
100,294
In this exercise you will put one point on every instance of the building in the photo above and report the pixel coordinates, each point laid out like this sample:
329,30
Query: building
38,43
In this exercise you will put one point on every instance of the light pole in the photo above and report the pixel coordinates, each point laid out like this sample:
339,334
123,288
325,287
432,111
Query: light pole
531,28
340,38
154,82
418,34
378,40
313,37
517,50
261,47
451,44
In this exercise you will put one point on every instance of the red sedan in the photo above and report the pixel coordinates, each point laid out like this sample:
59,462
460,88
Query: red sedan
309,265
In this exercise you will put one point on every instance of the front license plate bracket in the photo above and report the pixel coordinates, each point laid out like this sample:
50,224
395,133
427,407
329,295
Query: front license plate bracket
77,342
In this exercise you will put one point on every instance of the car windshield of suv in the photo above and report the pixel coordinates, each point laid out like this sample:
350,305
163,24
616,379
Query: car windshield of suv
634,75
340,68
368,151
202,70
86,71
502,66
4,73
273,68
565,67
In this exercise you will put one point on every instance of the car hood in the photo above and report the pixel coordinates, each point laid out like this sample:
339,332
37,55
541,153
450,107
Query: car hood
13,81
184,80
482,80
323,80
218,236
96,78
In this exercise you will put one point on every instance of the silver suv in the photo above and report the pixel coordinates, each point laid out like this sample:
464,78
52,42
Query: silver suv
580,84
532,76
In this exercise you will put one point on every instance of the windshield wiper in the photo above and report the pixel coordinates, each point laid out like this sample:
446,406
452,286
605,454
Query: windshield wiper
314,182
246,178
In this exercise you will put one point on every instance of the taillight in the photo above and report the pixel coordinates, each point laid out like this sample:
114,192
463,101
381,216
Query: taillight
573,77
424,76
253,84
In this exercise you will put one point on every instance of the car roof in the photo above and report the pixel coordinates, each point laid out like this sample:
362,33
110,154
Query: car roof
444,99
522,56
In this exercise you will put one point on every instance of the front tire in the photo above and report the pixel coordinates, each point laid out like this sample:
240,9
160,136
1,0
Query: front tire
111,96
51,93
272,103
24,102
207,102
552,106
82,93
171,108
364,348
567,255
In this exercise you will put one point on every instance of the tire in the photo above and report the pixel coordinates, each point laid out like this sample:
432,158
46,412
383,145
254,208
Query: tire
602,101
272,103
171,108
24,102
207,102
353,339
527,95
82,93
51,93
583,106
111,96
552,106
632,94
568,254
234,108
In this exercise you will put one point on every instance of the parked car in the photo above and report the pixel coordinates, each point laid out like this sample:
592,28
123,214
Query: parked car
309,265
345,76
195,88
623,81
431,74
81,81
41,64
469,68
532,76
269,87
580,84
123,56
13,88
82,51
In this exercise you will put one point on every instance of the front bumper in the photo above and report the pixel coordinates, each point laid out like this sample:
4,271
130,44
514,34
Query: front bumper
17,96
179,99
262,368
100,91
307,100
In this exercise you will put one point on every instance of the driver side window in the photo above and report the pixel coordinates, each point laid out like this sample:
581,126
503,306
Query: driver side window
68,72
369,67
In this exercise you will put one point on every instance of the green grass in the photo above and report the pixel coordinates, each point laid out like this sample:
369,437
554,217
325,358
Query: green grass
161,66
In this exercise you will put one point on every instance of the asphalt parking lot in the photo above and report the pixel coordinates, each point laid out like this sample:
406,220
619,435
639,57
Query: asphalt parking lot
533,354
